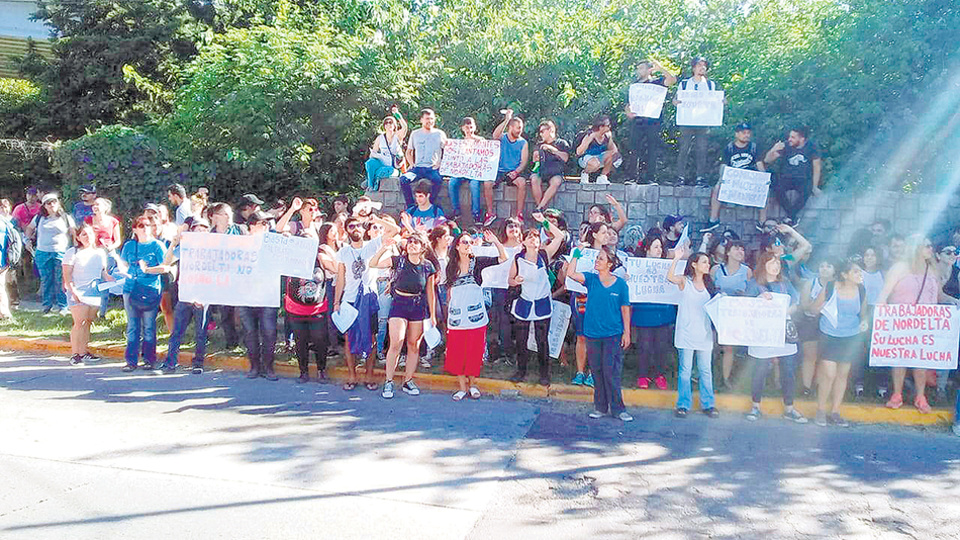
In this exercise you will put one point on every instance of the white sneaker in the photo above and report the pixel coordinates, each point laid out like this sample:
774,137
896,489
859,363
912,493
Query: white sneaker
410,387
402,362
387,392
585,178
596,414
625,416
602,179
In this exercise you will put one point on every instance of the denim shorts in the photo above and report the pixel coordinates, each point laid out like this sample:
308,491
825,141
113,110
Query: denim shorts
411,308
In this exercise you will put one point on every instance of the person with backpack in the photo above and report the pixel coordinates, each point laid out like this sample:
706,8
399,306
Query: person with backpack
413,287
740,153
691,135
645,136
141,259
306,303
51,231
841,342
596,151
386,153
11,249
425,214
533,304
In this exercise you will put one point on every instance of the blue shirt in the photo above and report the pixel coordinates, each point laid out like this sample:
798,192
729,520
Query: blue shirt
5,227
428,219
511,153
648,315
81,210
151,253
603,317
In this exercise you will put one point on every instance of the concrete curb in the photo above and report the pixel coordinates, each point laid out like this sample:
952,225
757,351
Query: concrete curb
656,399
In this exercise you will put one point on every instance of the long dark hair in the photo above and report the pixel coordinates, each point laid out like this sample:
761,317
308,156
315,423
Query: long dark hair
324,233
691,273
592,230
654,234
503,228
453,264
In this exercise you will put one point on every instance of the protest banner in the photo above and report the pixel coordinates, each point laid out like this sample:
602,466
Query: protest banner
476,160
559,323
646,99
744,187
237,270
917,336
749,321
647,280
700,108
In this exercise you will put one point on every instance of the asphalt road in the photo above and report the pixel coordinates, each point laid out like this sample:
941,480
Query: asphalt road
90,452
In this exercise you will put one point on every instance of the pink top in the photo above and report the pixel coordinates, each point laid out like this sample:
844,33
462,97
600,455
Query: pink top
25,213
907,290
105,232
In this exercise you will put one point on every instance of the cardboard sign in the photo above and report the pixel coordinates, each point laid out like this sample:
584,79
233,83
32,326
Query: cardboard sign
241,270
918,336
700,108
647,280
744,187
559,322
752,322
646,99
476,160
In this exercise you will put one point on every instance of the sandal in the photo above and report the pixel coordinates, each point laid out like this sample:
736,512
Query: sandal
372,386
350,386
459,395
474,392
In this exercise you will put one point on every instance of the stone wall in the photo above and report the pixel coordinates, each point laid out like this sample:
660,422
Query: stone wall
828,221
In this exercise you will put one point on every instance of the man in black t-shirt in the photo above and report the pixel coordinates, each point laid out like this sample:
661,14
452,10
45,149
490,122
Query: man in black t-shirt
645,132
551,155
799,174
740,153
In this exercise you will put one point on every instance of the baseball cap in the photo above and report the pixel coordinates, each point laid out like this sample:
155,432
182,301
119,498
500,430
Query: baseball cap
251,199
32,190
197,222
150,207
671,220
697,59
743,126
49,197
258,216
88,188
552,212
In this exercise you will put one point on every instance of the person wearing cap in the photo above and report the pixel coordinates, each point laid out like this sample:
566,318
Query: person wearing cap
184,312
800,171
645,132
740,153
24,212
249,204
84,208
177,195
690,135
51,231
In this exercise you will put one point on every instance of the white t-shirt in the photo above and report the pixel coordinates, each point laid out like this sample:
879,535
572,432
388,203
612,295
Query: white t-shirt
88,265
693,325
357,266
53,232
183,211
384,151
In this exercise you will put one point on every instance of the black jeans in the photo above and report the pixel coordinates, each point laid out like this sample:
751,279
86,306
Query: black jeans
521,334
788,372
792,195
310,334
606,362
690,136
259,336
226,322
652,343
646,150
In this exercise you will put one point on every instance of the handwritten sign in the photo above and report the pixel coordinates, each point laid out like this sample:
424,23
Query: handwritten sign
744,187
477,160
235,270
700,108
559,322
918,336
747,321
647,280
646,99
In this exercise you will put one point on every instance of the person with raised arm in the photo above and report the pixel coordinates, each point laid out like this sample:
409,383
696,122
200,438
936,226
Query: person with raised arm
800,172
693,336
386,153
645,132
514,156
607,330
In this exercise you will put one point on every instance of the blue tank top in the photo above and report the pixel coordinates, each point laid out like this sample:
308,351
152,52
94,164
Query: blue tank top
511,153
732,284
597,149
848,318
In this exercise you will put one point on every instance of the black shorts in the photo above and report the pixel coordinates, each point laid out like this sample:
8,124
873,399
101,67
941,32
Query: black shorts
502,178
411,308
841,349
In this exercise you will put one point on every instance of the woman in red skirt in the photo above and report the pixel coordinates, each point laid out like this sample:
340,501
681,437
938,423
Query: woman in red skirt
466,312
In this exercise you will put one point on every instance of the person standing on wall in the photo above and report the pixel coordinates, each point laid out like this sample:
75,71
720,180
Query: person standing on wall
740,153
692,135
645,132
514,156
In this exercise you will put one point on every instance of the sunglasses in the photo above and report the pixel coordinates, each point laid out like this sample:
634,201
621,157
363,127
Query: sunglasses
353,226
948,251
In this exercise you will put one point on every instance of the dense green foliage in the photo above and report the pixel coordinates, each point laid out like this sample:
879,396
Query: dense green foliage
286,94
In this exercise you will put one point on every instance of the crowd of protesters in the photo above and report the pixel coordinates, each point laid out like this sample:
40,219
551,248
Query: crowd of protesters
415,280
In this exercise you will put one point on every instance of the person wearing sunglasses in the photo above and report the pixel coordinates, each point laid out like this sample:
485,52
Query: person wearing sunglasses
386,153
51,230
597,151
552,155
142,260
